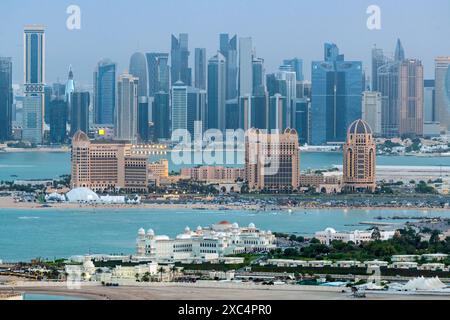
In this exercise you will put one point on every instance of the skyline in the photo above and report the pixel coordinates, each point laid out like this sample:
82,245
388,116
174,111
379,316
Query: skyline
348,30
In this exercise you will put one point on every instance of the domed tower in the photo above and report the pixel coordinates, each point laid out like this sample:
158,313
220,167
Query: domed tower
359,158
80,160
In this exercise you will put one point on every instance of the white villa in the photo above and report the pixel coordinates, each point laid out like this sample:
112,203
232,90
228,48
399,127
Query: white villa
329,235
205,244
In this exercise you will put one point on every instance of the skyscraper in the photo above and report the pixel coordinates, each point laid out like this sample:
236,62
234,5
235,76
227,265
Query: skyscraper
228,48
138,68
429,105
179,106
161,116
180,60
216,92
143,119
277,115
378,60
287,87
105,92
337,88
34,103
371,110
303,120
6,98
245,67
127,106
80,112
442,94
388,85
296,65
359,158
69,89
411,98
259,77
57,110
200,68
196,111
399,52
158,73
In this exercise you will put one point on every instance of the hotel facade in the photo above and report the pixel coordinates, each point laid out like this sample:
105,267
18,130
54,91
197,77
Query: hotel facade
107,166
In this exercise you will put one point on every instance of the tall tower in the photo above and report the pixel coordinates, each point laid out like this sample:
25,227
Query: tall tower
359,158
105,92
127,106
34,79
69,90
399,52
228,48
200,68
245,67
216,92
180,59
6,98
411,98
158,73
179,106
138,68
442,93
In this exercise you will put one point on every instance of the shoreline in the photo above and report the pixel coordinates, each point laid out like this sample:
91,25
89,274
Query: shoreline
9,203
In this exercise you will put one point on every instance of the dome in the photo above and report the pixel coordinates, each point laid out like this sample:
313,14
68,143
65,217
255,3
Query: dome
360,127
183,237
199,228
150,232
187,230
251,226
222,223
80,136
82,195
235,226
141,232
330,230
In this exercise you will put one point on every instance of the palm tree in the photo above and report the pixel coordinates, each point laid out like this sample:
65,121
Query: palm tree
161,270
173,270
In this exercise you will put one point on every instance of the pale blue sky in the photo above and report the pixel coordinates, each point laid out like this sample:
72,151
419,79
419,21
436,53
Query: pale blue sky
280,29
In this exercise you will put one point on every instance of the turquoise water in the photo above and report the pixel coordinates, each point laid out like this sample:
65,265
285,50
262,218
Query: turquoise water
46,297
47,165
25,235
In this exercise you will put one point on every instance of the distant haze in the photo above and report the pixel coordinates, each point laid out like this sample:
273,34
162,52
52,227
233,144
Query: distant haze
280,29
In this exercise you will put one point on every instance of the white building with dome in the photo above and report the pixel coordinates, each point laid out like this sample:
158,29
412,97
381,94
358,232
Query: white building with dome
329,235
203,244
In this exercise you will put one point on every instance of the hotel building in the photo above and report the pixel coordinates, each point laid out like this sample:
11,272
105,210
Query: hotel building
204,244
107,165
213,174
359,158
329,235
272,161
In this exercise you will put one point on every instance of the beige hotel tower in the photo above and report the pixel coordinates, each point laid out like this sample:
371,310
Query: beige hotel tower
359,158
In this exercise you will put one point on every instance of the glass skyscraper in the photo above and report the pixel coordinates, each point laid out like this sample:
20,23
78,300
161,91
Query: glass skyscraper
161,116
57,110
180,70
127,107
200,68
228,48
34,103
105,92
295,65
158,73
138,68
216,92
79,112
6,98
442,94
337,87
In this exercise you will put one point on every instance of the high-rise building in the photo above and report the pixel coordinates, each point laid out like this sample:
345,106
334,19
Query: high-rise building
143,119
6,98
216,92
295,65
180,70
57,110
287,87
196,111
429,105
107,166
388,86
80,112
127,106
337,88
302,120
411,98
69,89
161,116
179,106
442,94
232,116
245,67
378,60
277,115
359,158
272,160
228,48
105,92
138,68
200,68
260,107
34,101
399,52
371,110
259,77
158,73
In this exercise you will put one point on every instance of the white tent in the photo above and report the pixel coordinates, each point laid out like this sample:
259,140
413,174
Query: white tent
424,284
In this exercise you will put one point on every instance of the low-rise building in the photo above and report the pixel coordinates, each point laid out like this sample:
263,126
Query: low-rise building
432,267
204,244
329,235
404,265
405,258
210,174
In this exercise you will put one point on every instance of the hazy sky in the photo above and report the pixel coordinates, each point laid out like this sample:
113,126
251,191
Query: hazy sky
280,29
